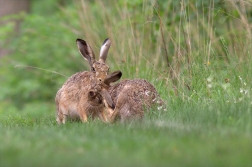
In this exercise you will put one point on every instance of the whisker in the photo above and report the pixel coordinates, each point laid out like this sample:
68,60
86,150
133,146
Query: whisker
42,69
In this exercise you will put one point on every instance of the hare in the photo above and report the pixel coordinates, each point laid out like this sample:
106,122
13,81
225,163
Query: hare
132,97
85,93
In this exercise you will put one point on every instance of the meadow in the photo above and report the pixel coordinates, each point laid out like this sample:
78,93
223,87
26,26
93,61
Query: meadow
197,54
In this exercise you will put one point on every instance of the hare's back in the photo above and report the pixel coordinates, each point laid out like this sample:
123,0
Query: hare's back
80,78
138,91
141,91
75,86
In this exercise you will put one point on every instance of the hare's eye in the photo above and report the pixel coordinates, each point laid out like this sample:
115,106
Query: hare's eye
93,69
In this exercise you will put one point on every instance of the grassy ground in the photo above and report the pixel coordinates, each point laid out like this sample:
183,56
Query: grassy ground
186,135
198,57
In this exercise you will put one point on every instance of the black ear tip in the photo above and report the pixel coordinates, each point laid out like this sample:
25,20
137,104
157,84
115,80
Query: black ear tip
113,106
105,41
80,40
117,73
120,74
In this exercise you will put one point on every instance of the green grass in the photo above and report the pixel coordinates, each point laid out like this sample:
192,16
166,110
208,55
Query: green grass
185,136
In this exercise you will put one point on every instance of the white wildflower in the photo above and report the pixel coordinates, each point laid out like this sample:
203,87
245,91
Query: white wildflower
160,107
240,78
244,91
209,79
241,90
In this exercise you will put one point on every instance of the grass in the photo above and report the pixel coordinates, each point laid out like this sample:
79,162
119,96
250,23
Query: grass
208,121
186,135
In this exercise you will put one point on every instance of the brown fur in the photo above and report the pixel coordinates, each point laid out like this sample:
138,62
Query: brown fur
132,98
84,94
72,99
89,94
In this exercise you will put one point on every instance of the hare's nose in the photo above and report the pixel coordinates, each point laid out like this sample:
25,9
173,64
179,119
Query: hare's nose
100,80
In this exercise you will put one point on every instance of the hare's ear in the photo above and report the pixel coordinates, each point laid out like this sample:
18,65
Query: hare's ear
113,77
104,50
86,51
108,98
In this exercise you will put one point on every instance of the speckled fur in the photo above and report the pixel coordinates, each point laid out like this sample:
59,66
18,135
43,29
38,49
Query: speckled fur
132,98
74,99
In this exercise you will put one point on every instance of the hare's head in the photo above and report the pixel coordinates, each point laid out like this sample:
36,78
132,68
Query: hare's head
99,94
99,68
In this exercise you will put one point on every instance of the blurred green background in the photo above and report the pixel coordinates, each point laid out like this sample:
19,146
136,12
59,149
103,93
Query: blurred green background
178,44
40,50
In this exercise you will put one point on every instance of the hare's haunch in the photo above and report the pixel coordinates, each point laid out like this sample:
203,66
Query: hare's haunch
132,98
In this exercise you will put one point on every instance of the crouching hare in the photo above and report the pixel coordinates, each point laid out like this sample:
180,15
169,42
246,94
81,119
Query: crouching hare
132,98
85,93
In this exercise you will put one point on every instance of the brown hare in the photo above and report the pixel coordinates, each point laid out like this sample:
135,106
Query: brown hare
132,98
85,93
